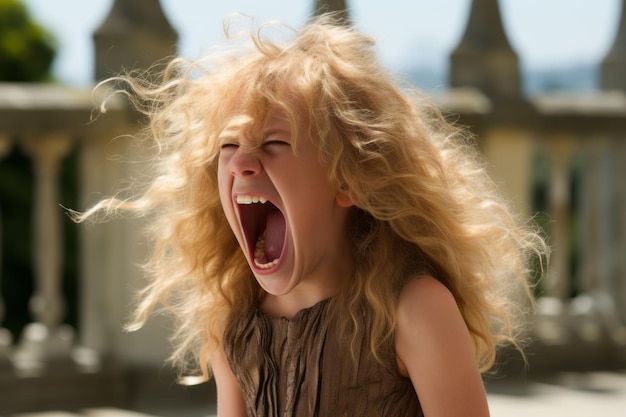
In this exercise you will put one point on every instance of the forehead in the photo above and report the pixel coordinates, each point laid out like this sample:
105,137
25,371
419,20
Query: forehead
277,119
254,125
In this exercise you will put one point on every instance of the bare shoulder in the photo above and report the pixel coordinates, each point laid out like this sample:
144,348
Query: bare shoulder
428,317
424,293
434,348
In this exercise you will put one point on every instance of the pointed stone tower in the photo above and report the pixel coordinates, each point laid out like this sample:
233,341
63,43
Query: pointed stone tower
484,59
135,34
613,67
340,6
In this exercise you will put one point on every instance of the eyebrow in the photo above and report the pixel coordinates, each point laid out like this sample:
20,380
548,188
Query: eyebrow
234,127
228,134
276,130
277,125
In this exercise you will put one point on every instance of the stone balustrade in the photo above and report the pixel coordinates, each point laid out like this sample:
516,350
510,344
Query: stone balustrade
564,161
45,123
583,298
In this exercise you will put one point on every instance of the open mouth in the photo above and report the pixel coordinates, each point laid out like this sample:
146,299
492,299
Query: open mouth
264,228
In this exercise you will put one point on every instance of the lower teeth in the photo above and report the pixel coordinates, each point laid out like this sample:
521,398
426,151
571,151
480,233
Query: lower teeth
265,265
259,254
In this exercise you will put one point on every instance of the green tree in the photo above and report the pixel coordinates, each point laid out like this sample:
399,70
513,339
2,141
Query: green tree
26,48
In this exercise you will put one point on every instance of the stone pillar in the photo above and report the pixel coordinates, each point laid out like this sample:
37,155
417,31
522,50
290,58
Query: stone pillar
613,68
620,249
135,35
510,153
596,193
484,59
551,320
46,337
593,308
557,282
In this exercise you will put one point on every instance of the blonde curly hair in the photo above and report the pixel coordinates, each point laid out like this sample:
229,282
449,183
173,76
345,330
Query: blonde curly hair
424,203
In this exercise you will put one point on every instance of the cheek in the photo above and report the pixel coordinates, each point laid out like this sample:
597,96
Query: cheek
224,185
229,212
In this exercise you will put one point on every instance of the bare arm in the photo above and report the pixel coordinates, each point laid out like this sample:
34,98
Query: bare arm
229,397
434,346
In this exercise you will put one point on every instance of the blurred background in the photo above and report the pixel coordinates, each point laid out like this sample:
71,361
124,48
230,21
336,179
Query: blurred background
542,84
560,43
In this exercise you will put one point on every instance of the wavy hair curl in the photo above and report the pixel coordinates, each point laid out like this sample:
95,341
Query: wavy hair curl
424,202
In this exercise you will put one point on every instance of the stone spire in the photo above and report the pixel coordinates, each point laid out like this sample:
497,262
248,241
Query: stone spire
484,59
135,34
340,6
613,68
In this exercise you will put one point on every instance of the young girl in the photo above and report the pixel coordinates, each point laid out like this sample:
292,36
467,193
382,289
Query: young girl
330,245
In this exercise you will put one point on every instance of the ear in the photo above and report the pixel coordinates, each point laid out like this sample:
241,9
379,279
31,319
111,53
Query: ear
343,198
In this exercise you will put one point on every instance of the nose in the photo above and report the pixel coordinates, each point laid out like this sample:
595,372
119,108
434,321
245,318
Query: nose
245,163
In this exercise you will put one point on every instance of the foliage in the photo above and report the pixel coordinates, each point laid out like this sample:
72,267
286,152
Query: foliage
27,50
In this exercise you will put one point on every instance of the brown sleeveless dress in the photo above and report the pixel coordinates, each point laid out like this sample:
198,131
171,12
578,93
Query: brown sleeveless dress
303,367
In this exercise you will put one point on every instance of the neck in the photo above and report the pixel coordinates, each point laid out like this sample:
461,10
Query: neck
308,293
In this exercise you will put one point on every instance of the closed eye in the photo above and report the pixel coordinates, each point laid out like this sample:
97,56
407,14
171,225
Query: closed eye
229,145
275,147
275,142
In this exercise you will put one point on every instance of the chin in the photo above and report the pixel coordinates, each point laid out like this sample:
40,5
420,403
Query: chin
276,286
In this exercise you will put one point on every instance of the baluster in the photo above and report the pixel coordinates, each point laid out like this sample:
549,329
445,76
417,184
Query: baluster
550,308
620,242
593,307
5,336
46,338
558,280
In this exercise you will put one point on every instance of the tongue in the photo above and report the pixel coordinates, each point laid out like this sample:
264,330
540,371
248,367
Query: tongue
274,235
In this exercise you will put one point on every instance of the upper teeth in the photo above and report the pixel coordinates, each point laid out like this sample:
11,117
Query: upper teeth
250,199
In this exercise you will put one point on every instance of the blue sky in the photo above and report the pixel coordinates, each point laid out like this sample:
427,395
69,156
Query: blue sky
545,33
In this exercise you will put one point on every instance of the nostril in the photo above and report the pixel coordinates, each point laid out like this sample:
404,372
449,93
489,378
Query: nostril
245,164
